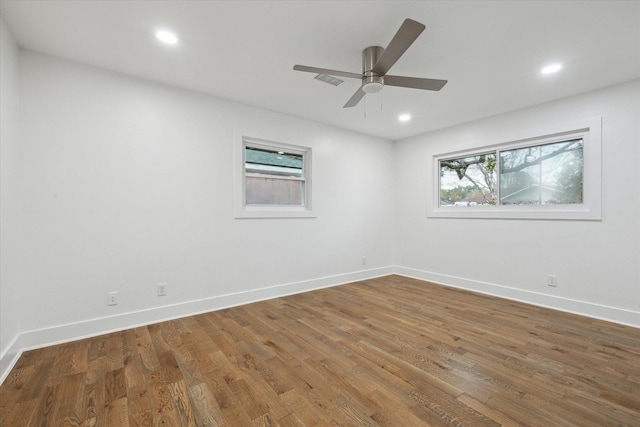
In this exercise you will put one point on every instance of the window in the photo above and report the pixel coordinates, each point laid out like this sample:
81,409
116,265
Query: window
274,180
542,174
468,180
556,176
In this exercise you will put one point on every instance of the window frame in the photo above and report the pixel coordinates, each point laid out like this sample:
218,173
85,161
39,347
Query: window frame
241,209
590,209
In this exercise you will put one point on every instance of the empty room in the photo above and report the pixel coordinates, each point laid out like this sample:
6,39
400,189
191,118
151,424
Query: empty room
319,213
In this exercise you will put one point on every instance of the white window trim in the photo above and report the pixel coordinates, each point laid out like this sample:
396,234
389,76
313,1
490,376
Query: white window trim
590,130
240,209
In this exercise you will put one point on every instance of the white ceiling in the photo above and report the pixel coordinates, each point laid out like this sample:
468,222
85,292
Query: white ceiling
490,51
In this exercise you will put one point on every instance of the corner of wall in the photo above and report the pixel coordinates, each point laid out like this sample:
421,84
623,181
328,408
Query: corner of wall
9,107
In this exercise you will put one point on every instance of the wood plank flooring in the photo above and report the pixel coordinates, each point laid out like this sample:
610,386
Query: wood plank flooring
385,352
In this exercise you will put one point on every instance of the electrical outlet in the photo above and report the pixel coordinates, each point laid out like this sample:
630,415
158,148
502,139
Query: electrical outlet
112,298
162,289
364,260
552,280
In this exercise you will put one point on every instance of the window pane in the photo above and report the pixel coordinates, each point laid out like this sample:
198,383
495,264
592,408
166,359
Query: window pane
274,191
276,177
273,162
468,181
542,174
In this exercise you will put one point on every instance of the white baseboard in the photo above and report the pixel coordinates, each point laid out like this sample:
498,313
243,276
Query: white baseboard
58,334
583,308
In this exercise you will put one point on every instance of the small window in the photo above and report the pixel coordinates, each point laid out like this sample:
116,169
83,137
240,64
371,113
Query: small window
551,177
274,180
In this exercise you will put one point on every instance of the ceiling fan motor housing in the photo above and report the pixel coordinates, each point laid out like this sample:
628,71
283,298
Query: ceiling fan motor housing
371,82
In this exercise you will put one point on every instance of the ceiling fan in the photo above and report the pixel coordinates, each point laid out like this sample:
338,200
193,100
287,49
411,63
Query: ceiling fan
376,62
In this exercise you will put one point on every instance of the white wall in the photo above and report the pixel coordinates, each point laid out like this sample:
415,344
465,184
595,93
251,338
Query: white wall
125,184
9,109
596,262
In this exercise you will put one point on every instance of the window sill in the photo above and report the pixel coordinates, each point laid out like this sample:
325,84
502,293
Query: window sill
548,212
273,212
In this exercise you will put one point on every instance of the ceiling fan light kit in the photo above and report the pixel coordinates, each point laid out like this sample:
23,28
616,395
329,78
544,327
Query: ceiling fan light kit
376,62
372,84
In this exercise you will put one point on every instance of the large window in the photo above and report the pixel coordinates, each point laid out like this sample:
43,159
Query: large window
273,179
552,177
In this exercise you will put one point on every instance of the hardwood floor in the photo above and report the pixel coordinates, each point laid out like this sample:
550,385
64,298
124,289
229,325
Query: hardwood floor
385,352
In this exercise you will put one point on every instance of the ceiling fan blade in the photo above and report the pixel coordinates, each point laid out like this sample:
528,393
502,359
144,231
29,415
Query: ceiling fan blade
355,98
414,82
327,71
406,35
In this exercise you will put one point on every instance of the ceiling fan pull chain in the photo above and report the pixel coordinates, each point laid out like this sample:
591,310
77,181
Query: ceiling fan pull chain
365,107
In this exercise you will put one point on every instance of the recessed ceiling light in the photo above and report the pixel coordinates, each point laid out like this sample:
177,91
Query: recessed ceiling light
550,69
167,37
404,117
